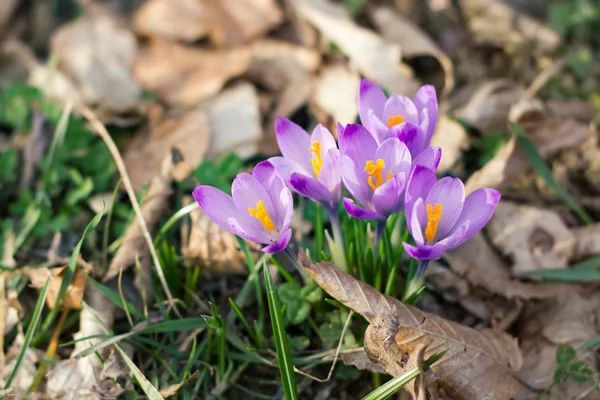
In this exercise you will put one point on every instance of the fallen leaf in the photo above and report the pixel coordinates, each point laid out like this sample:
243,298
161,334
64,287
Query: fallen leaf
495,171
587,241
564,320
211,247
495,22
74,294
187,20
189,133
7,10
97,53
397,329
335,92
40,137
360,359
27,369
182,75
413,41
235,107
531,237
173,389
481,266
376,58
79,377
153,206
450,135
416,387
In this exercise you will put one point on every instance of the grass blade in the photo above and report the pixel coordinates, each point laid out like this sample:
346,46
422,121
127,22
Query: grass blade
568,275
539,165
116,299
147,387
284,355
392,386
37,312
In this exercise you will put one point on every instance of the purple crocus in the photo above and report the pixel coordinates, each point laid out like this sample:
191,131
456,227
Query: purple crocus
411,121
439,216
310,163
260,208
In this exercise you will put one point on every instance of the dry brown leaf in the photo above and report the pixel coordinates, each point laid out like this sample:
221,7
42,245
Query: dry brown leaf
97,52
495,171
495,22
376,58
79,378
450,135
481,266
564,320
153,206
7,9
587,241
189,133
211,247
488,106
183,75
234,120
173,389
397,329
531,237
413,41
74,294
187,20
335,92
360,359
416,387
27,369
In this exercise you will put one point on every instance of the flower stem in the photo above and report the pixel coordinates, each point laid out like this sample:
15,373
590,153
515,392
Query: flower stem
417,280
338,255
379,228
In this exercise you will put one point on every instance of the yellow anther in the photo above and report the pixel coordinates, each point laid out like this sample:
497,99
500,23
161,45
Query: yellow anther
261,214
434,215
375,170
316,160
394,120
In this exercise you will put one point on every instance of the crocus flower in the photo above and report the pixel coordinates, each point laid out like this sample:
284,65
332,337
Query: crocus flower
374,174
438,215
260,208
310,163
412,121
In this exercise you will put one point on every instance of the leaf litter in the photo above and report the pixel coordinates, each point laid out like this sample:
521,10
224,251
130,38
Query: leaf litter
204,79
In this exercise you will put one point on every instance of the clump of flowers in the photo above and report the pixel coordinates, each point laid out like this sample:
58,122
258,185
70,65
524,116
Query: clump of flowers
386,165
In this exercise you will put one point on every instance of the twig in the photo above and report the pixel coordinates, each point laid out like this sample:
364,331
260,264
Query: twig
114,151
543,78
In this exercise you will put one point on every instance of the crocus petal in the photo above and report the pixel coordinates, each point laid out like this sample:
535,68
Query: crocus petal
423,252
420,182
284,166
378,129
310,187
450,194
426,98
287,203
271,180
411,135
221,209
281,243
453,240
388,198
247,192
360,213
402,106
324,137
370,97
395,155
358,144
355,180
478,209
331,175
294,143
415,223
429,158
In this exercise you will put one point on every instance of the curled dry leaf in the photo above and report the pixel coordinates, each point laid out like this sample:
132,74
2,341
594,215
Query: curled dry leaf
397,329
532,238
211,247
481,266
189,133
376,58
183,75
413,41
235,107
450,135
495,22
173,389
360,359
154,204
335,92
495,171
79,377
564,320
74,294
97,52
